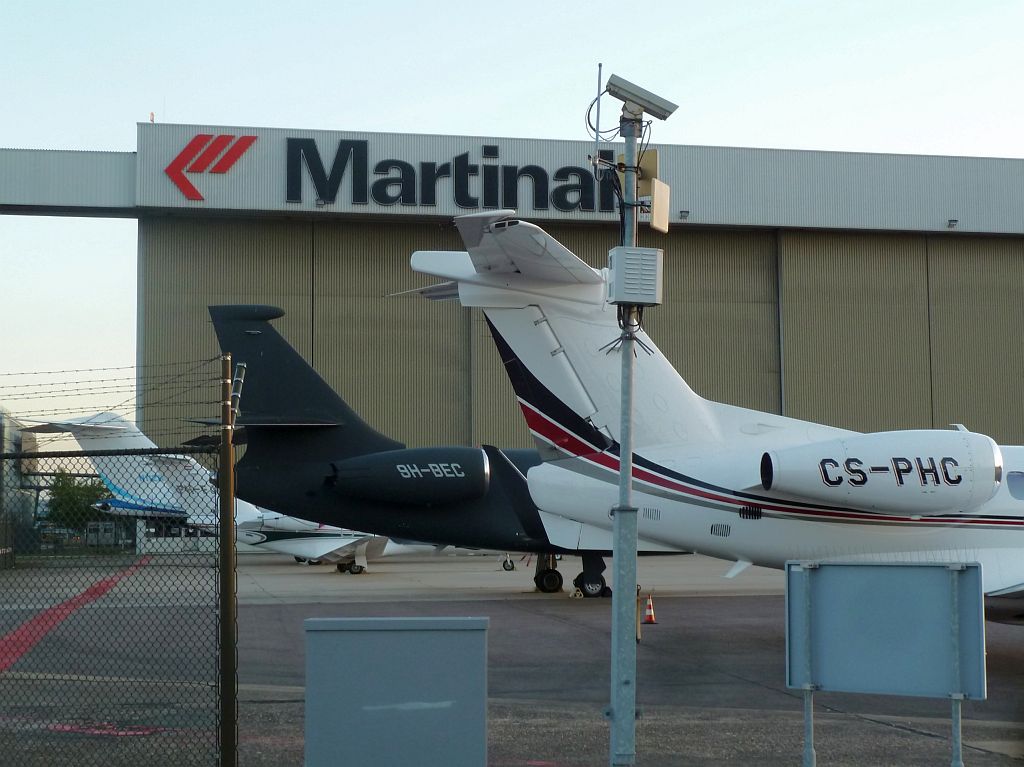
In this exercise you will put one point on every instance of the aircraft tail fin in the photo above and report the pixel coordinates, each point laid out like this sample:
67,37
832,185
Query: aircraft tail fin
283,395
140,485
559,340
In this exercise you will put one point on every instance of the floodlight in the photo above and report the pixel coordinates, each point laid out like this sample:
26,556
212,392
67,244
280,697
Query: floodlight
653,105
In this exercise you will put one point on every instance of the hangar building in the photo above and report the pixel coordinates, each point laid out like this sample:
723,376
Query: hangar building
869,291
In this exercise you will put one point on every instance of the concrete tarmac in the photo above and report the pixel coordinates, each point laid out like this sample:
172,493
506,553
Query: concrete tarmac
711,672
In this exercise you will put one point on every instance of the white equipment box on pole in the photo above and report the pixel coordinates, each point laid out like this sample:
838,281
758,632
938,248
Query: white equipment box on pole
635,276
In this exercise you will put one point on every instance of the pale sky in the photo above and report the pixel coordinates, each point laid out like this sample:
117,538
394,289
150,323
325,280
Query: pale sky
901,76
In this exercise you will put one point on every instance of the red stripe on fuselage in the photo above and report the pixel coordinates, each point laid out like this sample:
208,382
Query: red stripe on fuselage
557,435
17,643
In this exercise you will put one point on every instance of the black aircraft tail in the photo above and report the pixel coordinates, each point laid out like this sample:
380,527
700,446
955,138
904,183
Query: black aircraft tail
287,409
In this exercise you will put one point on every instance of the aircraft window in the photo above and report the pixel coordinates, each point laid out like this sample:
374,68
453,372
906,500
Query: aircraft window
1015,484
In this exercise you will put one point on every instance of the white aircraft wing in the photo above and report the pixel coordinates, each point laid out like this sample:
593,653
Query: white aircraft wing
326,547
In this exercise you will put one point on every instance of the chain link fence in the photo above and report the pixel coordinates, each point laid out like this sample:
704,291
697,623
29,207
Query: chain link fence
109,649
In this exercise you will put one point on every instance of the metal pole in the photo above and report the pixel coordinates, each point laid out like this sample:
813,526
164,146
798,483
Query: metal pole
623,693
228,585
629,127
810,756
957,759
958,751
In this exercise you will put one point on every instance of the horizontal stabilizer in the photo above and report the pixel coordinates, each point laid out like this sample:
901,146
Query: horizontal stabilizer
498,245
71,427
101,431
474,226
502,245
122,508
442,291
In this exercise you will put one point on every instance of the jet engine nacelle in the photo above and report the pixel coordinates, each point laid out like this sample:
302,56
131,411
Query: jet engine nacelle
414,476
916,471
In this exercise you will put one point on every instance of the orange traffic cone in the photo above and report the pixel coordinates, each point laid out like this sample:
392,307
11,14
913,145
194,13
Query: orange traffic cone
649,611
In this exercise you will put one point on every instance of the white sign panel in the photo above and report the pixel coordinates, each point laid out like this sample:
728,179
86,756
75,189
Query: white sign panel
893,629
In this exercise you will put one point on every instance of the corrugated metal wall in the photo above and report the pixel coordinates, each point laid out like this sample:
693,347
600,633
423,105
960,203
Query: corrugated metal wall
855,329
186,265
85,181
719,322
866,331
977,323
399,360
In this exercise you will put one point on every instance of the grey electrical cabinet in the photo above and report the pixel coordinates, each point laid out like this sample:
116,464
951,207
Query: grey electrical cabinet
396,691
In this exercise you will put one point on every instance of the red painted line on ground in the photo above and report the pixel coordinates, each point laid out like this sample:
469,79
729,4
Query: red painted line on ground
21,640
107,728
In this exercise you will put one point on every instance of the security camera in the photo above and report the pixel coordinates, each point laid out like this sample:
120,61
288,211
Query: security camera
655,106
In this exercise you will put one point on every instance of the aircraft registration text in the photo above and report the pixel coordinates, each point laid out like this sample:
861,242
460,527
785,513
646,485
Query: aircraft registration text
928,471
439,470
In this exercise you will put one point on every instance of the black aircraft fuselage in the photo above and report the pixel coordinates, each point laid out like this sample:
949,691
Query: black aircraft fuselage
458,496
309,455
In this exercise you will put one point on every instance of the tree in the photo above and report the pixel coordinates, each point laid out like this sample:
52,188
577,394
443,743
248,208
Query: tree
72,499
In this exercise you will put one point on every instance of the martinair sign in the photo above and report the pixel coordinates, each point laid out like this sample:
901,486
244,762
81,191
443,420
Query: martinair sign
215,168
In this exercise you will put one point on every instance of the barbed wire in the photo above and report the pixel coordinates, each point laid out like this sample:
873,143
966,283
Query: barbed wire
89,391
98,382
121,367
187,386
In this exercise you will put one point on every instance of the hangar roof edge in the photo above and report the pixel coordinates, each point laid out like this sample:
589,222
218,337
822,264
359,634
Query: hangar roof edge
199,169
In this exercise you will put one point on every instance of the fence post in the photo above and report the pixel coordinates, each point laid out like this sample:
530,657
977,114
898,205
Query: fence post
228,586
6,534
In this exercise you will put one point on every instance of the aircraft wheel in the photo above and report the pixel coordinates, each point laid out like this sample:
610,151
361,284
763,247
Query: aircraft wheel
549,581
508,565
590,589
314,562
355,569
300,560
342,567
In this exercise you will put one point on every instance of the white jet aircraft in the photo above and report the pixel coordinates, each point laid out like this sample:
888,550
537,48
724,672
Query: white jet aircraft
733,483
176,487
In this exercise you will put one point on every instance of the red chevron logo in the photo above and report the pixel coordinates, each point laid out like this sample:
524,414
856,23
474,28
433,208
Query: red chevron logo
200,153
